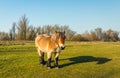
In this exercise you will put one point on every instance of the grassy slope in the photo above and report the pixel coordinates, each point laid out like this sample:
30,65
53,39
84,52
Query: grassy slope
78,60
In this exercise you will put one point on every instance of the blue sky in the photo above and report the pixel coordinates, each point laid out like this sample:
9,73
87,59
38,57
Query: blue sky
80,15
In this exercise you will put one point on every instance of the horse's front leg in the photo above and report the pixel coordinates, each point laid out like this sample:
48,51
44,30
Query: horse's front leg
49,56
56,60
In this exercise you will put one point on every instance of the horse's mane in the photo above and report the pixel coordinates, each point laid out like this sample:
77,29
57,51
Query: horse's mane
45,35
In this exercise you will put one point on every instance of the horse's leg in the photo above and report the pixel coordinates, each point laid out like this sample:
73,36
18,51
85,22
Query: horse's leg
49,55
56,59
41,57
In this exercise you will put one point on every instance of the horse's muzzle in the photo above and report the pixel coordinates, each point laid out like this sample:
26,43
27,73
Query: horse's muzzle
62,48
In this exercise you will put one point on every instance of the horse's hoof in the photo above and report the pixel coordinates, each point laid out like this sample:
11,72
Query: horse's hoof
57,67
42,64
48,67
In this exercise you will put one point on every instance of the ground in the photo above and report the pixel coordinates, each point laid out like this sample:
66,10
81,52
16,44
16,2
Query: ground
78,60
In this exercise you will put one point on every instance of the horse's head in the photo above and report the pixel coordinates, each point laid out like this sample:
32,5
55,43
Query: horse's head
59,37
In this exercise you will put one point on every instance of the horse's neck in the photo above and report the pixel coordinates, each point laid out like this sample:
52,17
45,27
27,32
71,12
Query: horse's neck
53,42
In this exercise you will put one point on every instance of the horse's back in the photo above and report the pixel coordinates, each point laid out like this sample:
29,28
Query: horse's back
42,41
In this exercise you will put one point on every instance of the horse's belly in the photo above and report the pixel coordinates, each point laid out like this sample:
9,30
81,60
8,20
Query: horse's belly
45,50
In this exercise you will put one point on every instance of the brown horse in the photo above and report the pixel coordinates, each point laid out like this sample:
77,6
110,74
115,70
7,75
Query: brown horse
50,44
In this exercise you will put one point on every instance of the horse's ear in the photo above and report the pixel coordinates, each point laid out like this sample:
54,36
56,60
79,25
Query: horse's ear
55,31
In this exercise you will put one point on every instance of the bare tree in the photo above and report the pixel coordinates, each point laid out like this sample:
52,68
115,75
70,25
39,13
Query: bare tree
22,28
39,30
48,29
99,33
69,33
111,35
31,33
10,35
13,30
4,36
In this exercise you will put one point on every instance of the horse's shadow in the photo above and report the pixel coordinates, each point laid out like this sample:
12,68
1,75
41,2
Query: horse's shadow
83,59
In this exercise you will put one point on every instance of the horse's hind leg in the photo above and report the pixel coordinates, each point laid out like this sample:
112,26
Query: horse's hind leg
41,57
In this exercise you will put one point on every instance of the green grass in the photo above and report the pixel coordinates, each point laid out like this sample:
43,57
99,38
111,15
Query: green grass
78,60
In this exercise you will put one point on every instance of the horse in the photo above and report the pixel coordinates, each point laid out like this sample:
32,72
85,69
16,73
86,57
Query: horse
49,44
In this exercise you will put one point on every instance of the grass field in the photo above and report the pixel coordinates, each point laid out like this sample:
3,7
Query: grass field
78,60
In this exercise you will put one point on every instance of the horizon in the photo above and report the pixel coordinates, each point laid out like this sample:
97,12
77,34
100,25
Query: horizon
80,16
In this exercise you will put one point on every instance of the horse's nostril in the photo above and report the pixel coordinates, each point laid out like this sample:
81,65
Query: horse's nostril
62,48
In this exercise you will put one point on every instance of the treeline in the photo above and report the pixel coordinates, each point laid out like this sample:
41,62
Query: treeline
21,30
98,35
